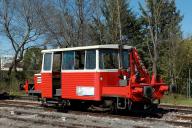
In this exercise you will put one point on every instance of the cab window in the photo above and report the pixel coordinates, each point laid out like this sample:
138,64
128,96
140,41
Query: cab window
125,59
108,59
79,59
68,60
90,59
47,61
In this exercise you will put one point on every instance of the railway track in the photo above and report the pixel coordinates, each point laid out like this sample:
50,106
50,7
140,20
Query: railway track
35,98
185,117
165,108
180,119
174,108
20,104
25,97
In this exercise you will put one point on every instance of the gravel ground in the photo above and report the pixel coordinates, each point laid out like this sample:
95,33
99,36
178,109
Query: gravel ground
8,123
67,118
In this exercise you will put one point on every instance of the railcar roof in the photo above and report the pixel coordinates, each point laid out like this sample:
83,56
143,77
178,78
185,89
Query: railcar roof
107,46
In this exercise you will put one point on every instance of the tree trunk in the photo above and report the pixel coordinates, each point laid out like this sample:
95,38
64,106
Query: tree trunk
155,58
13,64
10,69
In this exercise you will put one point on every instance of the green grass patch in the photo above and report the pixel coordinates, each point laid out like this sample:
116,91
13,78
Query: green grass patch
177,99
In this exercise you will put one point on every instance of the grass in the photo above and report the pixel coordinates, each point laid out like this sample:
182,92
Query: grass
177,99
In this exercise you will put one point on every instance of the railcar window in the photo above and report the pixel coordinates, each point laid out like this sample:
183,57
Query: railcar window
125,59
79,59
68,60
90,59
47,61
108,59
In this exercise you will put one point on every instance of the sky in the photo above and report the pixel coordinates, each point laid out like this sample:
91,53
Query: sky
185,7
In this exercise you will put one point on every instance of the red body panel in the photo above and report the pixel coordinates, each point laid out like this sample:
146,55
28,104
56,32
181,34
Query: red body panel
71,80
110,84
46,85
109,79
37,85
116,91
105,83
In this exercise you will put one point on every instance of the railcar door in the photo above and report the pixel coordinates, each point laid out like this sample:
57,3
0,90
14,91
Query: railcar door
46,74
56,74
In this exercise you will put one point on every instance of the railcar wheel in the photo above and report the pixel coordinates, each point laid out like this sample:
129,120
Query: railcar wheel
138,106
113,108
79,105
43,102
63,106
85,106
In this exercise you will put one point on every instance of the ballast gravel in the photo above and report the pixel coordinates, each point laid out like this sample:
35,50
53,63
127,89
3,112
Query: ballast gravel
35,117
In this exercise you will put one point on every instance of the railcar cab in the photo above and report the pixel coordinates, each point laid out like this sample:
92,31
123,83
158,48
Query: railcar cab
82,72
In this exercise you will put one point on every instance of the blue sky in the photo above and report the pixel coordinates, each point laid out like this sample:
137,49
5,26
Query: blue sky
185,7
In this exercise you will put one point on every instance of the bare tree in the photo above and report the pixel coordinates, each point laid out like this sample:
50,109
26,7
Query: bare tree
97,28
18,20
82,15
66,23
151,13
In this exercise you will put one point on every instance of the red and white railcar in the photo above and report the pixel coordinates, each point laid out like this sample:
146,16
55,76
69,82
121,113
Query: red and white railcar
108,74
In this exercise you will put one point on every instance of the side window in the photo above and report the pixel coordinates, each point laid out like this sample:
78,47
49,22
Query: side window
90,59
79,59
108,59
47,61
125,59
68,60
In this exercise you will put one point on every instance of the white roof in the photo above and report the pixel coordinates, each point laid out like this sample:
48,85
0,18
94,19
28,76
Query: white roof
110,46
